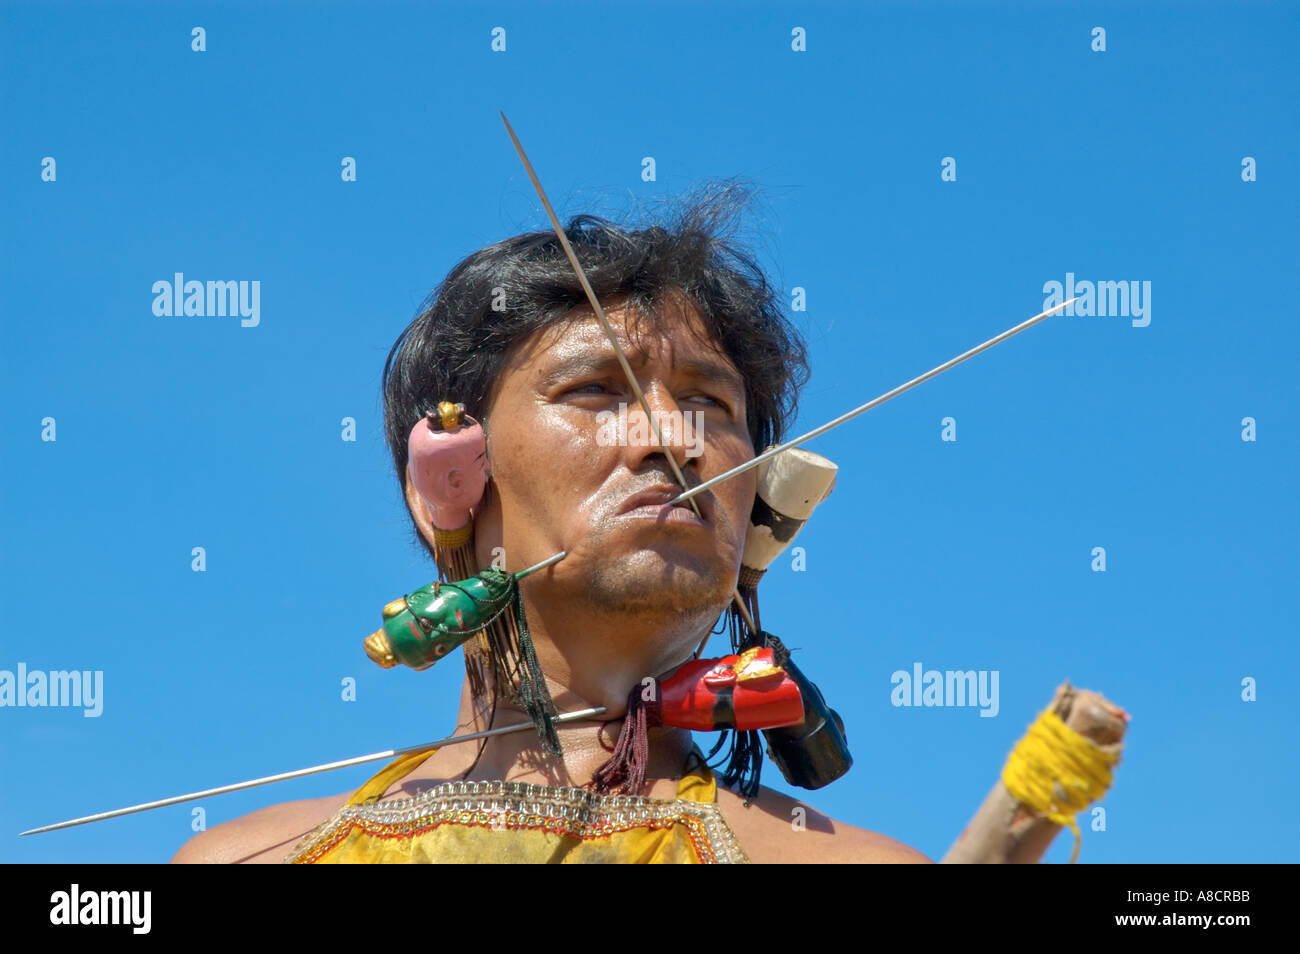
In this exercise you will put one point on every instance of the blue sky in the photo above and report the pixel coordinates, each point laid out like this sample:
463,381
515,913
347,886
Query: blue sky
974,554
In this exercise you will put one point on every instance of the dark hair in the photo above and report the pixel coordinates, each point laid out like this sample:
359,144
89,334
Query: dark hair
456,347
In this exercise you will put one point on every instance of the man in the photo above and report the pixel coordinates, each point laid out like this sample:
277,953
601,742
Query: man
509,335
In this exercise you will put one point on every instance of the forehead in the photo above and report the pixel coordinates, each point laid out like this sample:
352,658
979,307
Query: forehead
673,335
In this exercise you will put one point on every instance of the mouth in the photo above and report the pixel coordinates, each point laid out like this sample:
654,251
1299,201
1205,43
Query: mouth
652,504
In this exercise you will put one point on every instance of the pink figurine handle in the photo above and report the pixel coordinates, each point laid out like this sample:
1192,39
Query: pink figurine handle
448,467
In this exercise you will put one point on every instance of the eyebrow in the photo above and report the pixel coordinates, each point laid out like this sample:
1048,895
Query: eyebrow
709,372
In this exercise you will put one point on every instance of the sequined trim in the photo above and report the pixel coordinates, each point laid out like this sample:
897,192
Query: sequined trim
574,812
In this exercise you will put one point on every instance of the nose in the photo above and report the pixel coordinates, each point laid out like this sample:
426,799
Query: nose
674,427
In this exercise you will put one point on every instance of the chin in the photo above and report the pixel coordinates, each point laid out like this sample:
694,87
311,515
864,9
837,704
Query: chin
649,580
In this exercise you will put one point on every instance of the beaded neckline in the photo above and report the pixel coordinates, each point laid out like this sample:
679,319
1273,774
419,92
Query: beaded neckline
527,805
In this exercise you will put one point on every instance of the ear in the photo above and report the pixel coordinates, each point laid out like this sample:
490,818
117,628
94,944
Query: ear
419,509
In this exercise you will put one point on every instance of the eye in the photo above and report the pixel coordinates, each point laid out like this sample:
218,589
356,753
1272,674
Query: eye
593,389
716,402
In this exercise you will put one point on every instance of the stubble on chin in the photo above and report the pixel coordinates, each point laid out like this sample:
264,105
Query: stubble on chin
674,589
656,578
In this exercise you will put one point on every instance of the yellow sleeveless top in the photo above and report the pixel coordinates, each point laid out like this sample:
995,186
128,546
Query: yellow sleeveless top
522,823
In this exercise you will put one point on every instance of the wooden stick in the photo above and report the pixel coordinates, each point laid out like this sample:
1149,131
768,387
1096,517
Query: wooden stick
1004,830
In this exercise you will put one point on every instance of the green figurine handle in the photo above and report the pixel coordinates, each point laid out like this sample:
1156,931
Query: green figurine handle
426,624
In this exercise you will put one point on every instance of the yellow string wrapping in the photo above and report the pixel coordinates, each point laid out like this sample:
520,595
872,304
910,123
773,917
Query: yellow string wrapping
1052,754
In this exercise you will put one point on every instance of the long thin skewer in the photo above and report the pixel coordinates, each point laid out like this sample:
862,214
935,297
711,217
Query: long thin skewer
327,767
618,349
687,495
773,451
554,558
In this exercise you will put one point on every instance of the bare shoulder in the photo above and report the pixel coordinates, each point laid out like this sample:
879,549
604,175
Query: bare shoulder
261,837
777,829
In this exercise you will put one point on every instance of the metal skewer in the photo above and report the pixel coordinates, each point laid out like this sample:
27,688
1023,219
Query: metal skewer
817,431
554,558
327,767
773,451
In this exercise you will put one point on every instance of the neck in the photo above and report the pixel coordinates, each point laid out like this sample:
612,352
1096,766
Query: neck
595,658
518,756
588,660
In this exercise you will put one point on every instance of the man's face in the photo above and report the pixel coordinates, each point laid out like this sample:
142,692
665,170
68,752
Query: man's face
561,483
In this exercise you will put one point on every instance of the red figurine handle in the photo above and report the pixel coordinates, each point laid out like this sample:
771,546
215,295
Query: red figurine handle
742,692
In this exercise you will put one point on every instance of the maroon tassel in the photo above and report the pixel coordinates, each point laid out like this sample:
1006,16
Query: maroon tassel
624,772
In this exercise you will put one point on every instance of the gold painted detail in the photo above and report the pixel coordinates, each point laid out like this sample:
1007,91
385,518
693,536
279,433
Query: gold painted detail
749,669
379,650
450,414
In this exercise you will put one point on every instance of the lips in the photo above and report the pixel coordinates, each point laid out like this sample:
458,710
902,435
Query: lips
652,502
